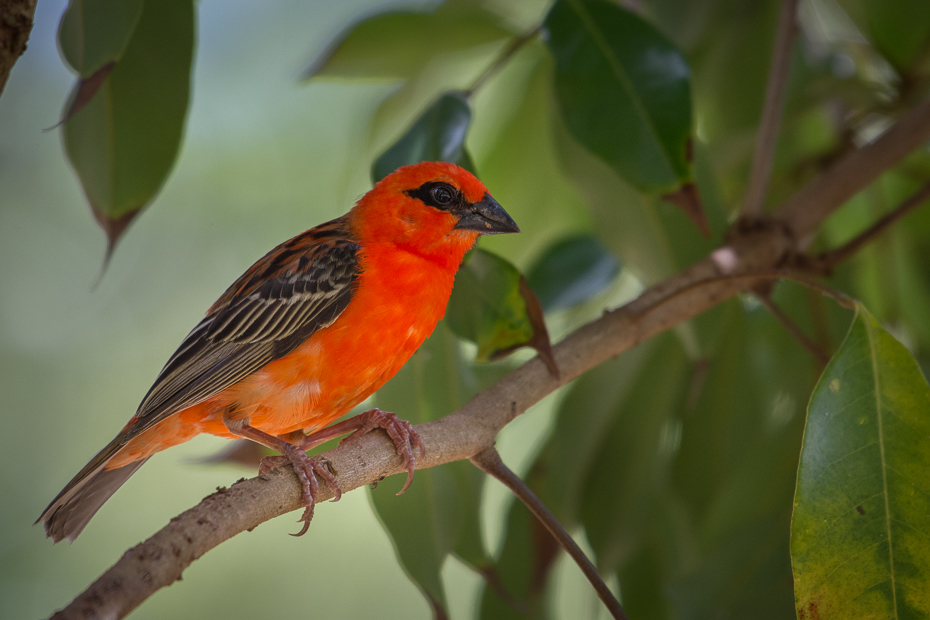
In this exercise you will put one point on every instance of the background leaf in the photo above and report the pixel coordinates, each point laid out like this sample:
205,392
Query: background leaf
93,33
860,539
624,92
398,44
438,135
124,141
571,271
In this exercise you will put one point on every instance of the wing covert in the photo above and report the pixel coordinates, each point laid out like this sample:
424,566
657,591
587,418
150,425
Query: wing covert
298,288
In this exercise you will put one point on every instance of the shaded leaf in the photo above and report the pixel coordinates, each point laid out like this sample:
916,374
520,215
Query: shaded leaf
900,30
93,33
439,513
399,44
571,271
124,141
860,534
438,135
487,307
623,91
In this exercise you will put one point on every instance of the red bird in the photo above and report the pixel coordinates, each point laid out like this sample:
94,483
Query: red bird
308,332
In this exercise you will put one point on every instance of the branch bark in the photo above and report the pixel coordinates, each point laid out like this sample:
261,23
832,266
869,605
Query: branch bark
764,246
15,25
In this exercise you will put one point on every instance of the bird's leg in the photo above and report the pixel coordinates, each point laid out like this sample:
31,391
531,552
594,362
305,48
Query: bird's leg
401,432
306,467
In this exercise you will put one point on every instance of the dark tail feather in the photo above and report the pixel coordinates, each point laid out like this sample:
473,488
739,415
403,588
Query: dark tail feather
80,500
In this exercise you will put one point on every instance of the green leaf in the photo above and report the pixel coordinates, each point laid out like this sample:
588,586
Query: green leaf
860,534
624,92
124,141
439,513
399,44
486,306
634,456
899,30
438,135
93,33
571,271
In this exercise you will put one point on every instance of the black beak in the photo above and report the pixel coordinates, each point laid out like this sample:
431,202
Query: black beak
487,217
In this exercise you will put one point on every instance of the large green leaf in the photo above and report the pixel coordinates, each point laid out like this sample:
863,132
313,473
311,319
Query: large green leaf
624,92
860,534
124,141
439,513
571,271
93,33
399,44
438,135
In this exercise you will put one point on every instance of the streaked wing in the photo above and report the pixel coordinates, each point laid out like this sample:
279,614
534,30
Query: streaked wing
298,288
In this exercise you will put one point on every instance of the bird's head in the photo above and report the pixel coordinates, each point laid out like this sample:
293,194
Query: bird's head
433,208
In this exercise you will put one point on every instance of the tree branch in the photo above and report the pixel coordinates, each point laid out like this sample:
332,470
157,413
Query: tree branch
761,248
769,126
15,25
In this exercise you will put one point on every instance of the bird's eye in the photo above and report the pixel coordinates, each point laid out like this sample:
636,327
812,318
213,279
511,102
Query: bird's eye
442,195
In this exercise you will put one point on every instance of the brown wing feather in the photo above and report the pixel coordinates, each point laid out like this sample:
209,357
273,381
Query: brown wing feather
299,287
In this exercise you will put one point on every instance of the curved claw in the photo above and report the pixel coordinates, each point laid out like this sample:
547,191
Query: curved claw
306,468
405,438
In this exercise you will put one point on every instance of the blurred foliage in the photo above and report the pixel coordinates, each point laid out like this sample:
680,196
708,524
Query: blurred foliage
677,461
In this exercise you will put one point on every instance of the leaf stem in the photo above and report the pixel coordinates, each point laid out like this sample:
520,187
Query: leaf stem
793,329
489,461
772,111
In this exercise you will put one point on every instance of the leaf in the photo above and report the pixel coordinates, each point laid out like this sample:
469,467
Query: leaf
93,33
438,135
439,513
488,308
124,141
860,533
624,92
572,271
900,31
399,44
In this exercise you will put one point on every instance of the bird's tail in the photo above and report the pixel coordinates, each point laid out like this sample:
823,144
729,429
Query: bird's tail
80,500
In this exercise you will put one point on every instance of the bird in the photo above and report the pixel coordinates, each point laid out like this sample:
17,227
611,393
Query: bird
303,336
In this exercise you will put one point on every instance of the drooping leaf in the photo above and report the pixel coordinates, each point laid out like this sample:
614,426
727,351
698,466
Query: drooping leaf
124,141
900,31
624,92
488,308
93,33
860,533
571,271
439,513
399,44
438,135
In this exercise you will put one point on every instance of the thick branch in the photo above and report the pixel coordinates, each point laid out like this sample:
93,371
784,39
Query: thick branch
15,25
160,560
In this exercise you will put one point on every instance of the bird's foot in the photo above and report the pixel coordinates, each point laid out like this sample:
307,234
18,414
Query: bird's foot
401,432
307,469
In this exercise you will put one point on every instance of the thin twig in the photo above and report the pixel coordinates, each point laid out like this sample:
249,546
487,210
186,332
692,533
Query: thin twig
793,328
489,461
515,45
827,261
770,124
